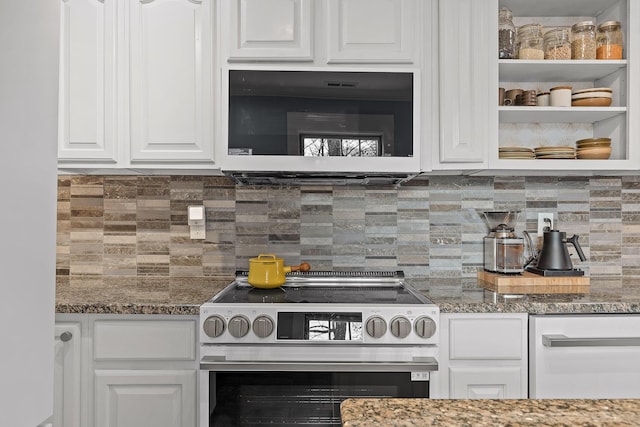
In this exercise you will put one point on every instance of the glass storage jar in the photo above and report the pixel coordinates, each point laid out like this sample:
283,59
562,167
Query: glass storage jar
506,35
609,40
557,44
583,40
529,42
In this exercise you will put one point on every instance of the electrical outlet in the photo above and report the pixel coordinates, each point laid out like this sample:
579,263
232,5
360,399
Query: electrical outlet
545,219
197,232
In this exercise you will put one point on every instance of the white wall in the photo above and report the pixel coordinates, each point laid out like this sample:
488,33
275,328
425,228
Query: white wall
28,123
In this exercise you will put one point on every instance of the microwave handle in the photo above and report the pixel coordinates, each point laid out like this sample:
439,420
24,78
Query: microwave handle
564,341
220,364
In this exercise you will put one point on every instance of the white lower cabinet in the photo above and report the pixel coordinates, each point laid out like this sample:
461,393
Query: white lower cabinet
483,356
133,398
126,370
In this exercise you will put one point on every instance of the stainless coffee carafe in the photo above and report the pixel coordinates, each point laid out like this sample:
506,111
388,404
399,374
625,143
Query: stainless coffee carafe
503,250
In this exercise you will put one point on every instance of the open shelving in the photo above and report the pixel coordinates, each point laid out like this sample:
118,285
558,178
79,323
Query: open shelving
537,126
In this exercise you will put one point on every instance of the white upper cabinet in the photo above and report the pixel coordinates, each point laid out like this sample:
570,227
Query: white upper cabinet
274,30
466,70
87,93
137,84
370,31
170,87
321,31
144,83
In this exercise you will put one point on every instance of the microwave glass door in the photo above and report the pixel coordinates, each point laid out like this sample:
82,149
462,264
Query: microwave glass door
320,113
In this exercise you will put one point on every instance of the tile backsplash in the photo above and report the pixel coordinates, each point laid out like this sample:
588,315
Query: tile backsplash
133,229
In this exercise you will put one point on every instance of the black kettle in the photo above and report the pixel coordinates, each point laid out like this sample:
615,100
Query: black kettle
554,254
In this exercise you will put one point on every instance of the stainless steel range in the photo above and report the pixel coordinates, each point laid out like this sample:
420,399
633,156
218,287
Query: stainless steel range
290,355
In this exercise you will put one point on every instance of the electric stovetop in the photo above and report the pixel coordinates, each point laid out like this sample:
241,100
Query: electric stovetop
326,287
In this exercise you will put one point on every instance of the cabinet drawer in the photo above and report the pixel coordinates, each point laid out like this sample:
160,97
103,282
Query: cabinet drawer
486,338
144,339
593,357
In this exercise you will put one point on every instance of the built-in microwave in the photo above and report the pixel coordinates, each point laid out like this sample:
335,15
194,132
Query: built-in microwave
320,121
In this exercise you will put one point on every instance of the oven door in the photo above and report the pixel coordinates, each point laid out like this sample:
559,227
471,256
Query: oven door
295,393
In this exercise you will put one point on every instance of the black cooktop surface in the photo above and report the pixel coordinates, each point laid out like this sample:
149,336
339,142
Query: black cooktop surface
377,289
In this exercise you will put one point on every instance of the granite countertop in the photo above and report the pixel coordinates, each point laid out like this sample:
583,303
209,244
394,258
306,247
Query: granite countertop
607,295
452,295
184,299
526,412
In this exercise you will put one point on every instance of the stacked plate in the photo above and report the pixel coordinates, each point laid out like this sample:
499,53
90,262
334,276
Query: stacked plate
515,153
594,97
563,152
593,148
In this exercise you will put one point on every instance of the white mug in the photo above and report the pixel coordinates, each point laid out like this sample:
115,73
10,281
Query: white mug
560,96
542,99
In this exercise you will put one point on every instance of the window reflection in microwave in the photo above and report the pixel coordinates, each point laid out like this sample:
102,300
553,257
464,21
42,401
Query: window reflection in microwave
341,146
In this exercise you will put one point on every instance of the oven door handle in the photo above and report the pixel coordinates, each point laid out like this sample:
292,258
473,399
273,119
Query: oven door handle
220,364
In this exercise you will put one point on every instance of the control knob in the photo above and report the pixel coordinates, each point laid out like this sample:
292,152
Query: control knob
213,326
400,327
239,326
376,326
425,327
262,326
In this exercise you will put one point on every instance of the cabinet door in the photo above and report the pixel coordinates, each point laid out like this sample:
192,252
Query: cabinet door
274,30
141,398
87,95
485,382
483,355
66,373
170,81
371,31
468,74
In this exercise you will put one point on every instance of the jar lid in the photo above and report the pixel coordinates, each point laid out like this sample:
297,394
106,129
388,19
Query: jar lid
584,25
530,30
560,87
609,25
543,93
560,33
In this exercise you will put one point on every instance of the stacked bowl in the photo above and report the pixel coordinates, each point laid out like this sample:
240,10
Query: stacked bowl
594,97
593,148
